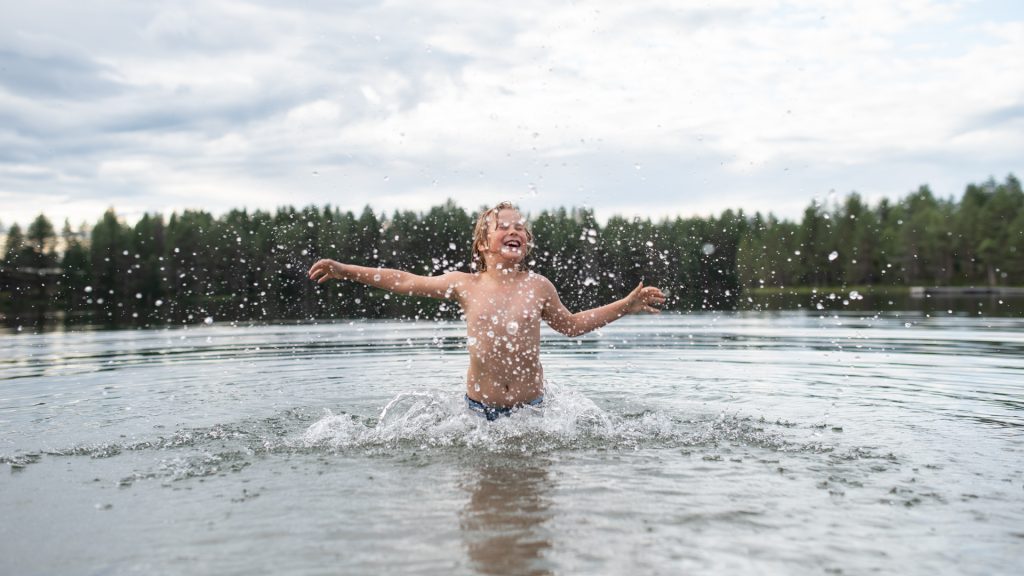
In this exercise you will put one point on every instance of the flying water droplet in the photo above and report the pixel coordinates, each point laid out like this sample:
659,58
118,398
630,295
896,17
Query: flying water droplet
833,256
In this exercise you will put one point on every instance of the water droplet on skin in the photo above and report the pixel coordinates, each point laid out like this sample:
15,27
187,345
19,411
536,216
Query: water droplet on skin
512,327
490,333
471,341
376,277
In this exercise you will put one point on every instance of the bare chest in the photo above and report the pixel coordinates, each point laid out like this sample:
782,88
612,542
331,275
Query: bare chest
503,311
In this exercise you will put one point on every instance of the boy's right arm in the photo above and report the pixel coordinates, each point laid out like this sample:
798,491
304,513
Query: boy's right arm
443,286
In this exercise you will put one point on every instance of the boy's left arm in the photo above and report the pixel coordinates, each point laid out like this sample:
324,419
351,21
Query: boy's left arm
641,299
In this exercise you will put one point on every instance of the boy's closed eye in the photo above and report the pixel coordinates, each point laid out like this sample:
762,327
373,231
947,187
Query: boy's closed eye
520,225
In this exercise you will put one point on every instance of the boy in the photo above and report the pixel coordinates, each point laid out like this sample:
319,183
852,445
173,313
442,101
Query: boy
503,304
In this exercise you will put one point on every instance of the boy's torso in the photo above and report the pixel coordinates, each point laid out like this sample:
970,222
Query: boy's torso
503,338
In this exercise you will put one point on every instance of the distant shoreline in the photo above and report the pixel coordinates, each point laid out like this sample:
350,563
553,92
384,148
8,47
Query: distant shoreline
912,291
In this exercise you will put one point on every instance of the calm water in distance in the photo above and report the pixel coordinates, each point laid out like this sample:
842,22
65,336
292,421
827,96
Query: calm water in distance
754,442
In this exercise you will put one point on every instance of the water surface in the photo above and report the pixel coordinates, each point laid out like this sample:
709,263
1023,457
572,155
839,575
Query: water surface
755,442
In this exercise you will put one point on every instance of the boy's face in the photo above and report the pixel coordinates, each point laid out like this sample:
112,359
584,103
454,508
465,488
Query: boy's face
506,235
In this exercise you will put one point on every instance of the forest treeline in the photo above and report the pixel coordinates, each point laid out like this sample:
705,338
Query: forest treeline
252,265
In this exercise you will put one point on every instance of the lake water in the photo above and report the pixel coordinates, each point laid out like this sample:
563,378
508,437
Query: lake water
704,443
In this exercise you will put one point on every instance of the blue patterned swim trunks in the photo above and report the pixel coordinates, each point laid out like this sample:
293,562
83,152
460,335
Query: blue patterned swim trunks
494,412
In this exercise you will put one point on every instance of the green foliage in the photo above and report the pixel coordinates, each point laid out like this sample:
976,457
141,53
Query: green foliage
253,266
76,273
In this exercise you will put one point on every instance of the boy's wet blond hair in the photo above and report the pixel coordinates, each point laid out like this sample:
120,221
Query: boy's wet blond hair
483,229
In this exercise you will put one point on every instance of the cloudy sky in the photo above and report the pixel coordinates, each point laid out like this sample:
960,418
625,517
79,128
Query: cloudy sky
644,107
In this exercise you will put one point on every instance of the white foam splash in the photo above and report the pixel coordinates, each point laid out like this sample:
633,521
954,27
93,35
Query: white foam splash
439,419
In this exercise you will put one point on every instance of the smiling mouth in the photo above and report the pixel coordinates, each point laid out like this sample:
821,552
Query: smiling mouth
516,244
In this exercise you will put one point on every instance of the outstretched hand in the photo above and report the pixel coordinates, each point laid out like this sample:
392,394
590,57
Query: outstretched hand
645,299
324,270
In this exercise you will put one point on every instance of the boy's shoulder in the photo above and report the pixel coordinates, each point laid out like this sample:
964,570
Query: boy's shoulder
536,276
539,279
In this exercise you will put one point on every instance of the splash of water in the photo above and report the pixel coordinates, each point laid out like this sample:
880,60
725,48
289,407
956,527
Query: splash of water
567,420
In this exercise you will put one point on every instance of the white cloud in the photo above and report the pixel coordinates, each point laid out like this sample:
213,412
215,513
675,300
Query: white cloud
655,107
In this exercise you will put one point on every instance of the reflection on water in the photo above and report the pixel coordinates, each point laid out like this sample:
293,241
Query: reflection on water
505,522
886,299
883,299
